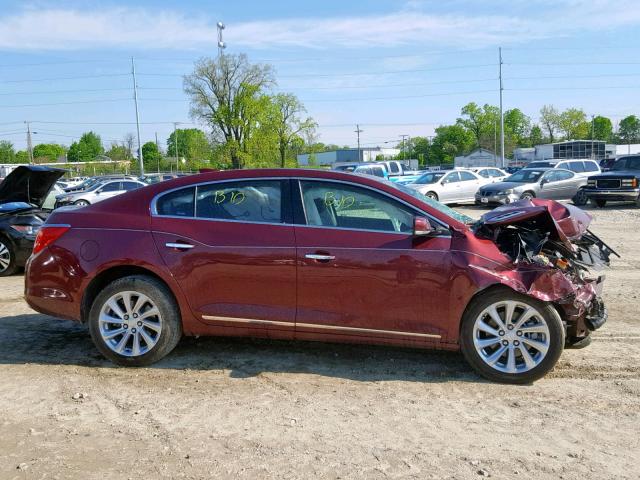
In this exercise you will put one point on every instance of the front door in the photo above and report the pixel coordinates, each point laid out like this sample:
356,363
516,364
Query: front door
559,184
361,271
230,246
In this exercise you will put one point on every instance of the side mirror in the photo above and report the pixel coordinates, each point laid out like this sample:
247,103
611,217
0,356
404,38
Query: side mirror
422,227
543,181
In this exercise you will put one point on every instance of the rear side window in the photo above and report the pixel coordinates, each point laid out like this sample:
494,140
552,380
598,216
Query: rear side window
130,185
466,176
251,201
378,172
484,173
577,167
393,167
179,203
111,187
591,167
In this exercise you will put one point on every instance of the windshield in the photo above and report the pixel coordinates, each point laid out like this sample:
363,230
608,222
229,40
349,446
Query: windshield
431,177
433,203
525,176
631,163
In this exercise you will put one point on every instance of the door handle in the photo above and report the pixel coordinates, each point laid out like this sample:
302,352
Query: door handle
179,246
319,257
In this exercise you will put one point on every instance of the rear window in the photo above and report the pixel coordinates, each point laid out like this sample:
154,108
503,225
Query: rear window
179,203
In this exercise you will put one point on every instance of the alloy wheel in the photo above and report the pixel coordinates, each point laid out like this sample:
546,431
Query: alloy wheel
130,323
5,257
511,336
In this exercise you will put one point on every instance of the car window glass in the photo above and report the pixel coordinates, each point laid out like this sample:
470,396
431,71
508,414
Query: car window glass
558,175
453,177
496,173
590,167
179,203
248,201
577,167
378,172
466,176
485,173
394,168
130,185
111,187
329,204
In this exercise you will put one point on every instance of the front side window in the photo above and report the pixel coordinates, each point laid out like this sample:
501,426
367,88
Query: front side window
484,173
558,175
111,187
451,178
466,176
245,201
428,178
393,167
328,204
378,172
130,185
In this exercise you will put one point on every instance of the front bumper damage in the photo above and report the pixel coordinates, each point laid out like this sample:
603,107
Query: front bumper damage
555,258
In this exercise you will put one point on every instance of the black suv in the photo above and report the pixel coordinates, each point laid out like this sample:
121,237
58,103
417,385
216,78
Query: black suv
620,184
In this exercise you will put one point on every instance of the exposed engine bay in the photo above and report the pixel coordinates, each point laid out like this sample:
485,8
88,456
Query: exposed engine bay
560,259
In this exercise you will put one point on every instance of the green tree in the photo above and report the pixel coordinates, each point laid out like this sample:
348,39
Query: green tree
118,152
450,140
22,156
228,95
47,152
602,129
191,144
629,129
573,124
86,149
550,121
482,122
536,137
288,122
7,153
151,156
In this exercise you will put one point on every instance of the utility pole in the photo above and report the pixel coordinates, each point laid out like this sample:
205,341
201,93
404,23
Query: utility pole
501,112
358,132
402,149
175,141
495,143
29,144
135,99
221,44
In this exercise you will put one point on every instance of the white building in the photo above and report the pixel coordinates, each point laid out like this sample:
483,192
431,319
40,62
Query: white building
631,149
480,157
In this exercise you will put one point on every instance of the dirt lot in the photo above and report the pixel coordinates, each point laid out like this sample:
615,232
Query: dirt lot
256,409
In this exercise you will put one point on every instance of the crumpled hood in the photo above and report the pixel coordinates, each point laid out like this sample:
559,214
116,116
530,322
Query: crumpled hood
564,222
29,184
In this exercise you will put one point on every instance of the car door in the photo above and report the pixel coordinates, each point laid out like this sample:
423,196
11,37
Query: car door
361,271
559,184
230,245
449,190
469,185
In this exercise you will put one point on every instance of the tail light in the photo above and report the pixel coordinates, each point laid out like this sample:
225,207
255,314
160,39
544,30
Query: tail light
47,235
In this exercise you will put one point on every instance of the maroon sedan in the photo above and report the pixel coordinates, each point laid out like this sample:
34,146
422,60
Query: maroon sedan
314,255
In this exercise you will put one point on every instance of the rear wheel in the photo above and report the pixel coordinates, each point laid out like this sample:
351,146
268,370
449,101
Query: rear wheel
81,203
598,202
8,265
527,196
511,338
432,195
135,321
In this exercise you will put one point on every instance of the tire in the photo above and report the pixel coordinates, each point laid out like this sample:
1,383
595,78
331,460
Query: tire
480,348
432,195
81,203
580,199
156,335
8,264
527,196
576,343
598,202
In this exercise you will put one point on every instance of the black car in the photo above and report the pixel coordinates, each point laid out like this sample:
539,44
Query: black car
620,184
22,195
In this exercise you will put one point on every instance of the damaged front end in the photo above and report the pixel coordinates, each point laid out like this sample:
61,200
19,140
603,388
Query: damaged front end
556,258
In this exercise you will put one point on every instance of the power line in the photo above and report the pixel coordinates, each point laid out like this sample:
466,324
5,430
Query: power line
64,103
47,92
80,77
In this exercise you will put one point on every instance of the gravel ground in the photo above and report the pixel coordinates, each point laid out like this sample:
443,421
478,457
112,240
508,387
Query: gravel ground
265,409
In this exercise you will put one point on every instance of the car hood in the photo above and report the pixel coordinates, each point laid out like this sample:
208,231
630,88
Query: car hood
495,187
29,184
617,173
563,222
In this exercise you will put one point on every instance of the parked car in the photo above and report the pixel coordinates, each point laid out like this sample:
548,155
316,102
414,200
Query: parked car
92,181
584,167
260,252
548,183
98,192
490,174
22,195
449,186
157,177
371,169
621,183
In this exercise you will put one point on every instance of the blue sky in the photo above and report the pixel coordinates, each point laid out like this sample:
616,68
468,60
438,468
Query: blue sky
394,67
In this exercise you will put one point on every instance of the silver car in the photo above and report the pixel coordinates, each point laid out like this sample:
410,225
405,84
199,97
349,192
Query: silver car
98,192
449,186
548,183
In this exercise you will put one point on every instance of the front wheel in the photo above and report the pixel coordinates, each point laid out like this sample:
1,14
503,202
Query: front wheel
432,195
527,196
8,264
82,203
135,321
511,338
580,198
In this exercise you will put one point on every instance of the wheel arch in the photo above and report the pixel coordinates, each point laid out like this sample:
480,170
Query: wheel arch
111,274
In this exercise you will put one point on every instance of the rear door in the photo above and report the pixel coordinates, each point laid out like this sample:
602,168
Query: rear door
230,245
108,190
450,191
560,184
469,186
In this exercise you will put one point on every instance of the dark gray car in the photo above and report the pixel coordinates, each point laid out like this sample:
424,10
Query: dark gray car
548,183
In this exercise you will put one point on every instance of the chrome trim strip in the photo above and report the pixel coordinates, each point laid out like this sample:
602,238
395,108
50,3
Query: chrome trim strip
315,256
54,225
179,246
316,325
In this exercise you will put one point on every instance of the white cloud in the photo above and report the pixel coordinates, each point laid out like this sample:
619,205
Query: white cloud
124,27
